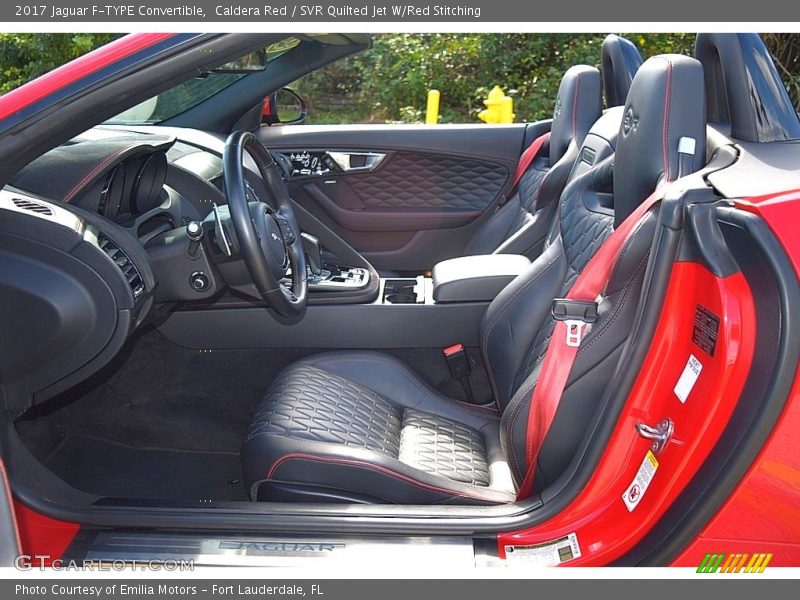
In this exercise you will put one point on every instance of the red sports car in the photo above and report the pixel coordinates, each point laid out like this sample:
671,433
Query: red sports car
230,339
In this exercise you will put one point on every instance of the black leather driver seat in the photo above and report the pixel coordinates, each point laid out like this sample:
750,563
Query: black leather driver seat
360,426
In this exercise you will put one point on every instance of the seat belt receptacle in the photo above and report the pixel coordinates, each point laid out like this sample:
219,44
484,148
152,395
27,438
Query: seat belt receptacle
576,314
458,363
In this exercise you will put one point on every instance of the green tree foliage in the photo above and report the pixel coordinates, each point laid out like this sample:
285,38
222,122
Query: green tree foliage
25,56
389,83
785,49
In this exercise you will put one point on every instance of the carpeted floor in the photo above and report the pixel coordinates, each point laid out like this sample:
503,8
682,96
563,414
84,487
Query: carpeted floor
166,422
107,468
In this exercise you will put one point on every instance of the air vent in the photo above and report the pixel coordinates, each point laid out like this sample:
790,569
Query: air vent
588,155
129,270
32,206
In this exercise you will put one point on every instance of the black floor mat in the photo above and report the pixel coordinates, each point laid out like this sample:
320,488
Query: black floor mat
107,468
168,422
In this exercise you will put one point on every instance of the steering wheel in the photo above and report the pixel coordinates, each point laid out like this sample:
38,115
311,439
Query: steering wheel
267,232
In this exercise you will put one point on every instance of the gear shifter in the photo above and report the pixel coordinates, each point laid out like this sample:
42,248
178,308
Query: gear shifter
313,253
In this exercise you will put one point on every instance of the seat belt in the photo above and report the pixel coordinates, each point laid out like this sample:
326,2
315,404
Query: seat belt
525,161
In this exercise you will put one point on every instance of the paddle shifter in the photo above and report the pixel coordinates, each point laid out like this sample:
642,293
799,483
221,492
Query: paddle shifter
313,253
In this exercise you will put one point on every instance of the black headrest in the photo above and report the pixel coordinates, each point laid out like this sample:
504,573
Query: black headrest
577,108
620,60
666,102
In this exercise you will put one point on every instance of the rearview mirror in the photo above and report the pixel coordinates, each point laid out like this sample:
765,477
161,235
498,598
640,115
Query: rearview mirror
249,63
284,107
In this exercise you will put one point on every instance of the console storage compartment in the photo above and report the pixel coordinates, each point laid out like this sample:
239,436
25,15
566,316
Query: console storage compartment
475,278
403,291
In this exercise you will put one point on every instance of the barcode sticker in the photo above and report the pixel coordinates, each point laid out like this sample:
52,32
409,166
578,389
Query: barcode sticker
547,554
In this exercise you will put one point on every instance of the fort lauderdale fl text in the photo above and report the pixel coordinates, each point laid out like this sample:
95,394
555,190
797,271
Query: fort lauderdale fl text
294,11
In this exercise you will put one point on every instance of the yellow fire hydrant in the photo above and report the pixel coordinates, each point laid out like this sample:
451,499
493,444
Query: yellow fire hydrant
499,107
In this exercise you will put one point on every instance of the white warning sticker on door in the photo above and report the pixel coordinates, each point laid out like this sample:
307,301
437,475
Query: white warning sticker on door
546,554
647,470
688,378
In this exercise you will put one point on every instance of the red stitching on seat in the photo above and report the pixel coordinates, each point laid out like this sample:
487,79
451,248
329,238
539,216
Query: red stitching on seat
575,106
358,463
665,127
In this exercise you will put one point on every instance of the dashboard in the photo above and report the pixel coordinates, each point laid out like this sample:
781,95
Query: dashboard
94,244
144,180
82,249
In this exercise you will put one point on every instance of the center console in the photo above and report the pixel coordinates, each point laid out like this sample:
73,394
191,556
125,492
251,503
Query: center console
413,312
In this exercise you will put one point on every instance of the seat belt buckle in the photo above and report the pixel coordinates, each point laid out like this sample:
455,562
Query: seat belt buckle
576,314
457,361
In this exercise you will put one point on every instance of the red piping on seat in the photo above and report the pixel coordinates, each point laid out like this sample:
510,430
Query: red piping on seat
357,463
665,128
575,97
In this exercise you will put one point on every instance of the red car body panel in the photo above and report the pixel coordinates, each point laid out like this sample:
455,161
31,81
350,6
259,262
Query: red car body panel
762,515
41,535
77,69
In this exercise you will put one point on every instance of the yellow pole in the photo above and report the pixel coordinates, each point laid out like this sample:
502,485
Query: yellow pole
432,112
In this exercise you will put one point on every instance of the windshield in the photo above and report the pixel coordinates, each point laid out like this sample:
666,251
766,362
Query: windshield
176,100
189,94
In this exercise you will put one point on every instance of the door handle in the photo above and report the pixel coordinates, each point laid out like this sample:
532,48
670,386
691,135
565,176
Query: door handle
660,434
350,162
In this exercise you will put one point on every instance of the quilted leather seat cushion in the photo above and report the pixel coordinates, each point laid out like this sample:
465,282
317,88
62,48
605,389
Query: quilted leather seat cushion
307,403
363,424
443,447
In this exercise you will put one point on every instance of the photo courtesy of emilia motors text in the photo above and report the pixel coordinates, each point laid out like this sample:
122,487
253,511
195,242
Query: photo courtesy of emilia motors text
362,299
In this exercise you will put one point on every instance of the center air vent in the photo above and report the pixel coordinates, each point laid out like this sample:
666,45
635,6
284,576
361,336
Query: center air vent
32,206
129,270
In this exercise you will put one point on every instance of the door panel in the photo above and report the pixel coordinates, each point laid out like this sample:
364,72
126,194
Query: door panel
423,198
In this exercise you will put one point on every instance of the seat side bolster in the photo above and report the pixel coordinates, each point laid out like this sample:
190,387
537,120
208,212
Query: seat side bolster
514,318
356,470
